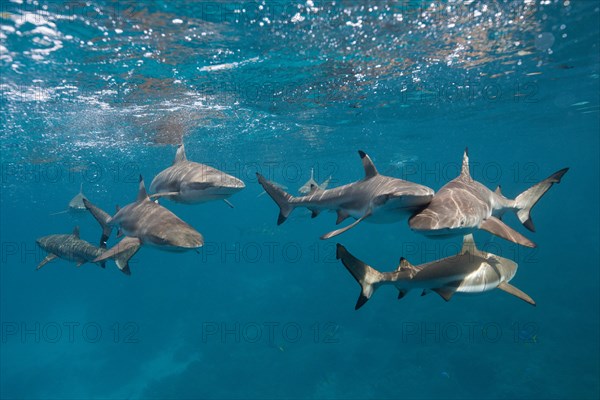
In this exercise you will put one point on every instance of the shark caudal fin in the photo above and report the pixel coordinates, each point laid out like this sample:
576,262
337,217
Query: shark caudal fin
365,275
103,218
121,253
282,198
526,200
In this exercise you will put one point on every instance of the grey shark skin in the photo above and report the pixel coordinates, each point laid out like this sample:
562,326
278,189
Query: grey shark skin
192,183
72,248
376,198
470,271
464,205
76,203
145,222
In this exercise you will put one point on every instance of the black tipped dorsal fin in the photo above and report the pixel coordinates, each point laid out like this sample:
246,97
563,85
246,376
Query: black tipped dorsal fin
180,155
142,195
76,231
469,245
465,164
404,264
370,170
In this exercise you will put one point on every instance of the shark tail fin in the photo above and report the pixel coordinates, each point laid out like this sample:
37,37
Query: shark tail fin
121,253
103,218
526,200
282,198
365,275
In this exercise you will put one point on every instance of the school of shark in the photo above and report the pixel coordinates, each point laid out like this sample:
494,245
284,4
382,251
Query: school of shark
459,208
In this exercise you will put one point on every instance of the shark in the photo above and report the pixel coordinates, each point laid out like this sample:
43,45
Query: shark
469,271
307,187
76,203
145,222
72,248
192,183
375,198
464,205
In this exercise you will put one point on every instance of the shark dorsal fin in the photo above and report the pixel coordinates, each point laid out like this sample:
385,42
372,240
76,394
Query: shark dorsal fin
76,231
312,174
404,265
465,164
180,155
370,170
142,195
469,245
498,190
81,188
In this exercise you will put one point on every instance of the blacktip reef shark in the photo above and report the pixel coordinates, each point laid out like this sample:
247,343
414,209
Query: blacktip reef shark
308,186
376,198
76,203
464,205
72,248
192,183
145,222
470,271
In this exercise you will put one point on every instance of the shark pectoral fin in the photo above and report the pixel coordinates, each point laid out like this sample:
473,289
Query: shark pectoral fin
508,288
344,229
496,227
228,203
446,292
46,260
163,194
341,216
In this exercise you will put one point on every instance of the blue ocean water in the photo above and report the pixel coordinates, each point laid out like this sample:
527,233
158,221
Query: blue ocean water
97,93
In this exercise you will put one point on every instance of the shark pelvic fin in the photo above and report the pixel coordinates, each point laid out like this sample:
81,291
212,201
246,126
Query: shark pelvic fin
180,155
370,170
496,227
341,216
46,260
331,234
508,288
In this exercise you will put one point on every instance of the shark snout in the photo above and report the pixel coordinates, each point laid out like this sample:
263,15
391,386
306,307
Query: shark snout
187,239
